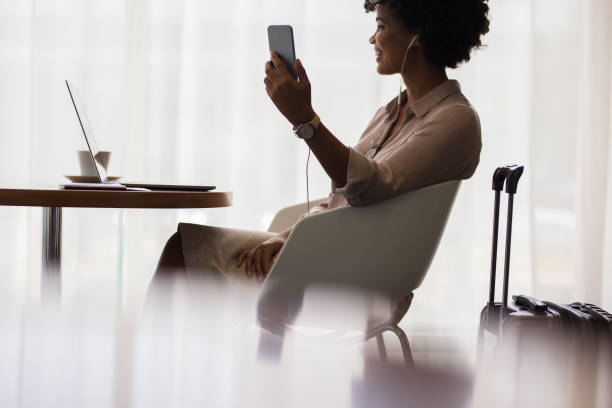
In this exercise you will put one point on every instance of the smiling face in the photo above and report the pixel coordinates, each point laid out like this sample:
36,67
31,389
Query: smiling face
390,41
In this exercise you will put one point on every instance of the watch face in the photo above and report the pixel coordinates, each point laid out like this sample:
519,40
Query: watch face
305,131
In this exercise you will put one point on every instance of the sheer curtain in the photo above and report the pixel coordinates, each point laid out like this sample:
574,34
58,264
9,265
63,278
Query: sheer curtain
175,90
594,208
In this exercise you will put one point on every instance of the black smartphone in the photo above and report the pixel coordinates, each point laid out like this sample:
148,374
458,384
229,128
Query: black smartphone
280,39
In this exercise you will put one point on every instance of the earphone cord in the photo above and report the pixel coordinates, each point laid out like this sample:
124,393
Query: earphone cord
399,95
307,189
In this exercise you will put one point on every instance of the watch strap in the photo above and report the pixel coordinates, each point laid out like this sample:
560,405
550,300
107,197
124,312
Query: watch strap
315,122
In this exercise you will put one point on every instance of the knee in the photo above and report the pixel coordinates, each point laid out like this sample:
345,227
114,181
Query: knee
173,245
174,241
172,254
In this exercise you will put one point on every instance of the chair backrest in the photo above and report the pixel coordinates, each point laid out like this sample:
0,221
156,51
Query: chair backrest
386,248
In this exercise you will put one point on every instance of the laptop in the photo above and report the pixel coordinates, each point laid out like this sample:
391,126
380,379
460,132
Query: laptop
103,182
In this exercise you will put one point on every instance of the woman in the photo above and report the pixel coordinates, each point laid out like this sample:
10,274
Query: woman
428,134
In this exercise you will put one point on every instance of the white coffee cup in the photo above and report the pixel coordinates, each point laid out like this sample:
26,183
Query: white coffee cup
87,165
103,157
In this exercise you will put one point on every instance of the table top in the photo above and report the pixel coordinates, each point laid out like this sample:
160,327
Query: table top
33,197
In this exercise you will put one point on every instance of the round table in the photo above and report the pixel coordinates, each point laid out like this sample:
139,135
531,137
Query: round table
52,201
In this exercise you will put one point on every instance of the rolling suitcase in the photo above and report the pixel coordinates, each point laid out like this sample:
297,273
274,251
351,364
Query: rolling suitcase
536,337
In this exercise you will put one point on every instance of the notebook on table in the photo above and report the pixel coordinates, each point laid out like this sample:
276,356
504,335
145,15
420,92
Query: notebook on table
103,182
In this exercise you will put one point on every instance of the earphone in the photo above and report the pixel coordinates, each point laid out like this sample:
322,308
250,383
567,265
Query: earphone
399,95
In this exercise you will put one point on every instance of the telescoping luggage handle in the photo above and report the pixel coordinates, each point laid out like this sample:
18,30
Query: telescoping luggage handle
510,175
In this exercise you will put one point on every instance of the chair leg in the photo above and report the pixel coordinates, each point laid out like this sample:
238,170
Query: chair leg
403,339
382,351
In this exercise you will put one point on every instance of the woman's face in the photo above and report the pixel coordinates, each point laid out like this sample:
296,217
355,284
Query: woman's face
390,41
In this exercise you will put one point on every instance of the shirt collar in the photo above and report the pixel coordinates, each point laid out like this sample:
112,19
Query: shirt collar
428,101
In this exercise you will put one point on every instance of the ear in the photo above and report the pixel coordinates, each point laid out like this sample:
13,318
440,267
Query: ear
412,42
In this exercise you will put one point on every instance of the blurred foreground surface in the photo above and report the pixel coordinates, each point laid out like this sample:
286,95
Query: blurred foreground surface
200,346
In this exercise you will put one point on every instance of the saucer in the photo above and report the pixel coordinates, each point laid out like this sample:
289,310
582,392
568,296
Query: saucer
89,179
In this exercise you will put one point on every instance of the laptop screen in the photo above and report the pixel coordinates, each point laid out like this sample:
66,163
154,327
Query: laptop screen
87,131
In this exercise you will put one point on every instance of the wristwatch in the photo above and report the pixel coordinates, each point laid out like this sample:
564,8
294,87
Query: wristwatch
307,130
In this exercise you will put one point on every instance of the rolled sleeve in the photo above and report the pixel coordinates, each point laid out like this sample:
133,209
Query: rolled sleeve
359,175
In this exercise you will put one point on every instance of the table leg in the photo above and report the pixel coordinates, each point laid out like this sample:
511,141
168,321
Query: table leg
51,279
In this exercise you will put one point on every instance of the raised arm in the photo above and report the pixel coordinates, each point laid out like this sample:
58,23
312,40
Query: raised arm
292,97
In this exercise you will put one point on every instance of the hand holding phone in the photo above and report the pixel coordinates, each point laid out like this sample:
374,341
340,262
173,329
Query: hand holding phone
291,97
280,39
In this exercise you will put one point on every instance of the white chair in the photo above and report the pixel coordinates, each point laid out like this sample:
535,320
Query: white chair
381,251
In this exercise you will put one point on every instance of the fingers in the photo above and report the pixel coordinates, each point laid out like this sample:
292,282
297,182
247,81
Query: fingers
253,265
259,260
249,262
276,252
253,260
271,77
270,255
240,258
301,72
268,83
269,69
259,263
278,64
268,252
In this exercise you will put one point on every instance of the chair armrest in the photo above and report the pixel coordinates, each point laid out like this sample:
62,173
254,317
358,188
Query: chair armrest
288,216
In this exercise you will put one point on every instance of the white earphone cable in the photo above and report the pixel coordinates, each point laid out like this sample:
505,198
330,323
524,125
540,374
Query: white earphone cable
307,188
399,95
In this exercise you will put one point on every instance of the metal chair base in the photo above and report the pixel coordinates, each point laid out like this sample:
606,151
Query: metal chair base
380,342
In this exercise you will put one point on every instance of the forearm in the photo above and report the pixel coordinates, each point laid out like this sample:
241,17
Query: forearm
331,153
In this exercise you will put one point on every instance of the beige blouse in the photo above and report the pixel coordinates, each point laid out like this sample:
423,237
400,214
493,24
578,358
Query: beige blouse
439,141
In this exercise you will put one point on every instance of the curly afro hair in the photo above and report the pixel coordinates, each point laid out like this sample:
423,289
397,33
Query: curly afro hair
448,29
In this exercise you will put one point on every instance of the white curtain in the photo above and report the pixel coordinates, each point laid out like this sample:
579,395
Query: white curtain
174,89
593,154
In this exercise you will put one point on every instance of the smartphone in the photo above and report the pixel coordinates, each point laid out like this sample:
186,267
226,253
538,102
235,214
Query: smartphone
280,39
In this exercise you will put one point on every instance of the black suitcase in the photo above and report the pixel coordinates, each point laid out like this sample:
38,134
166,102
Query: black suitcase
537,337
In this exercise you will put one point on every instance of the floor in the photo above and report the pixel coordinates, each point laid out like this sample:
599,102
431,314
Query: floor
204,348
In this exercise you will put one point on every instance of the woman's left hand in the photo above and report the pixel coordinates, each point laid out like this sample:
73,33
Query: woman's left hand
259,260
291,96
